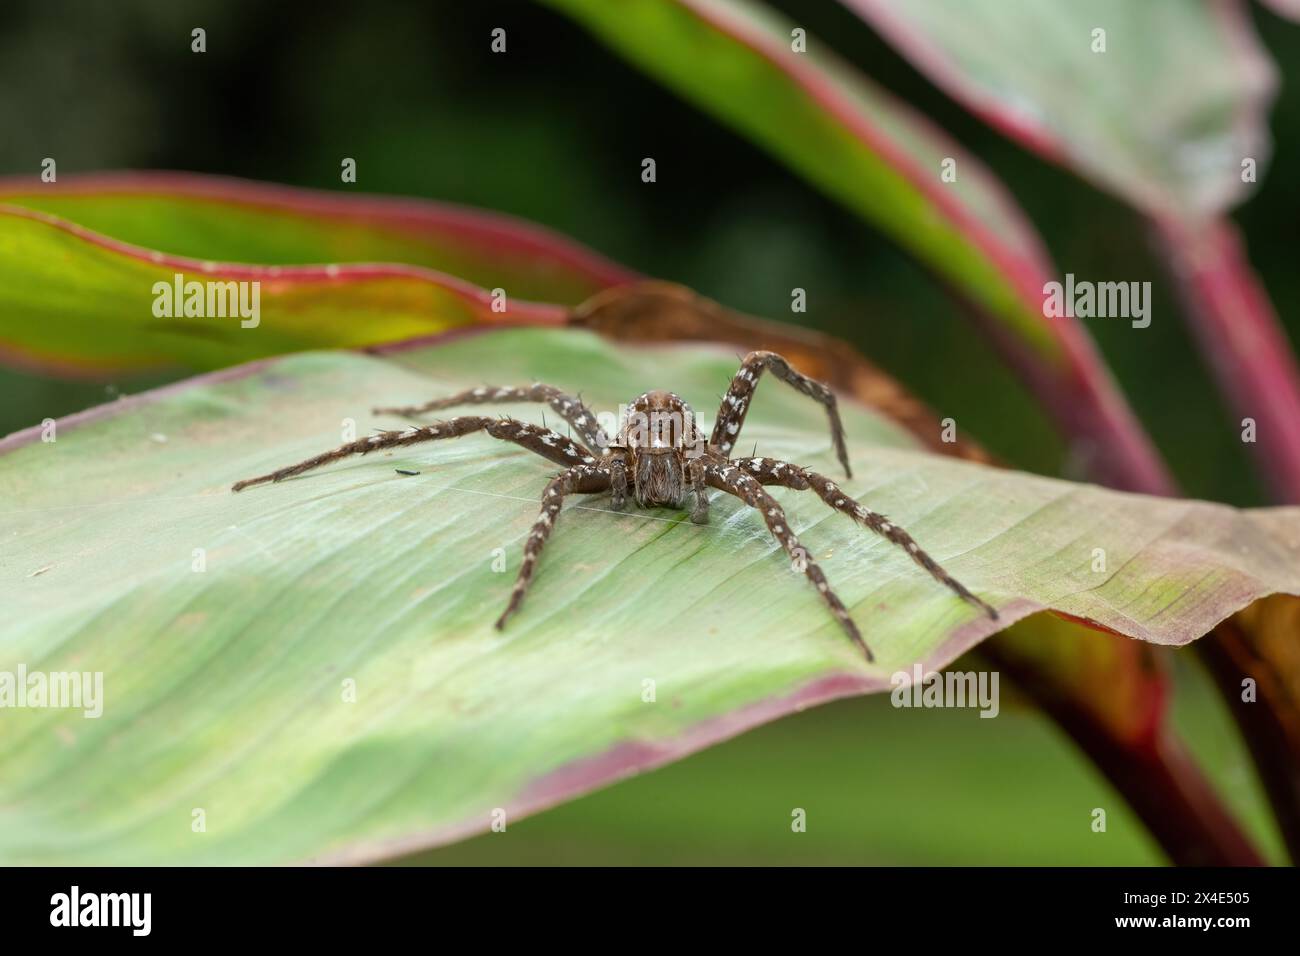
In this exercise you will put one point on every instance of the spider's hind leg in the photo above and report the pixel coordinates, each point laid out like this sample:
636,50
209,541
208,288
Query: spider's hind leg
697,472
726,476
769,471
584,479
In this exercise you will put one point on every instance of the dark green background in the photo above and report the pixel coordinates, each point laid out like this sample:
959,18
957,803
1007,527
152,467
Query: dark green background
555,131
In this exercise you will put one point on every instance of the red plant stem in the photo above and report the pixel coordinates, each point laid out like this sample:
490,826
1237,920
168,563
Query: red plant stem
1271,732
1238,332
1240,336
1089,409
1154,774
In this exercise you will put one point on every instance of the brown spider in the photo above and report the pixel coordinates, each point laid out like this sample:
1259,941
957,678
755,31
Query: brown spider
662,457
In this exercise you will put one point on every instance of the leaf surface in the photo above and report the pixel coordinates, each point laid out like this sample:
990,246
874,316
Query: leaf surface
225,687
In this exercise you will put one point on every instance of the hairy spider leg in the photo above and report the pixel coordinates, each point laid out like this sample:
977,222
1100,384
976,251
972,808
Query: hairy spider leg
550,445
584,479
728,477
697,473
769,471
731,414
567,406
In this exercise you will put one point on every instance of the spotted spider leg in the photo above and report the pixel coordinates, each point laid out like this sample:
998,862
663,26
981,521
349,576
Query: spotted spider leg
542,441
769,471
728,477
731,414
571,409
698,475
583,479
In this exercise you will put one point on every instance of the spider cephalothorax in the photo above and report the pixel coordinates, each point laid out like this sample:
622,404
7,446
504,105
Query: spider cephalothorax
663,457
655,448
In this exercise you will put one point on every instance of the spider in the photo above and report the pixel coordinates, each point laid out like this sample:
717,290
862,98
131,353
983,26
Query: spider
661,458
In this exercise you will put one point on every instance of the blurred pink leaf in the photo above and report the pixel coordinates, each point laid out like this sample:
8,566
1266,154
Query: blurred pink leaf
1162,117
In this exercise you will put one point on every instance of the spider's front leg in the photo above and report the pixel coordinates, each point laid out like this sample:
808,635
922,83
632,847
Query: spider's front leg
697,472
584,479
617,463
543,441
725,476
731,414
769,471
569,407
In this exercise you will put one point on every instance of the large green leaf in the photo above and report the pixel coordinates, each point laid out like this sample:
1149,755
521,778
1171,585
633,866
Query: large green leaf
79,260
236,220
224,687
